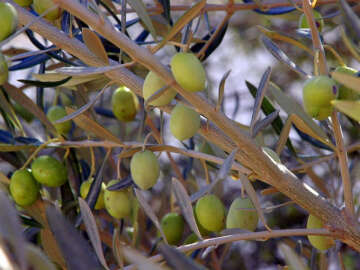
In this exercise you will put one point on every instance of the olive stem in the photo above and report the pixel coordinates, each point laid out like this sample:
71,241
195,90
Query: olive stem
343,161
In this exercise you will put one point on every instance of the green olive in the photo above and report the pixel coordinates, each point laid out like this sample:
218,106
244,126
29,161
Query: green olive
347,93
240,217
188,71
56,113
184,122
154,83
23,3
84,190
210,213
41,6
192,238
145,169
4,71
319,242
49,171
23,188
318,92
118,203
125,104
319,21
173,226
24,113
9,20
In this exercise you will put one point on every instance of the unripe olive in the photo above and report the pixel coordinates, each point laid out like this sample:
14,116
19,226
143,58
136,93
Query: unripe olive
202,230
240,217
319,242
173,225
347,93
24,113
317,95
319,21
49,171
41,6
23,3
184,122
154,83
9,20
56,113
4,71
145,169
23,188
192,238
118,203
210,213
125,104
84,190
188,71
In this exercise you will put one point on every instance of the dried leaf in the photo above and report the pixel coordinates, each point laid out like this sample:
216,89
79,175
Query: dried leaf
92,231
149,212
89,125
347,80
293,261
184,202
222,89
93,42
349,107
252,194
181,22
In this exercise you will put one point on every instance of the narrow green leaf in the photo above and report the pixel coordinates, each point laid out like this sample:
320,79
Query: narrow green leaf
58,77
141,11
46,84
222,89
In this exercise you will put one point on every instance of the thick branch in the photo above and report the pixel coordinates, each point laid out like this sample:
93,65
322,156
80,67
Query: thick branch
250,155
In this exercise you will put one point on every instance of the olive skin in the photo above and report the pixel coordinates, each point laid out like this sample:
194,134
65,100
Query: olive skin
56,113
173,225
188,72
125,104
23,188
319,21
210,213
40,6
318,92
145,169
4,71
118,203
84,190
184,122
49,171
23,3
346,93
319,242
9,20
239,217
154,83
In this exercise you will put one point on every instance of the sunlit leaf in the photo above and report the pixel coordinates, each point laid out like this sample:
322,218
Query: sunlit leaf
94,44
347,80
349,107
139,260
184,202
